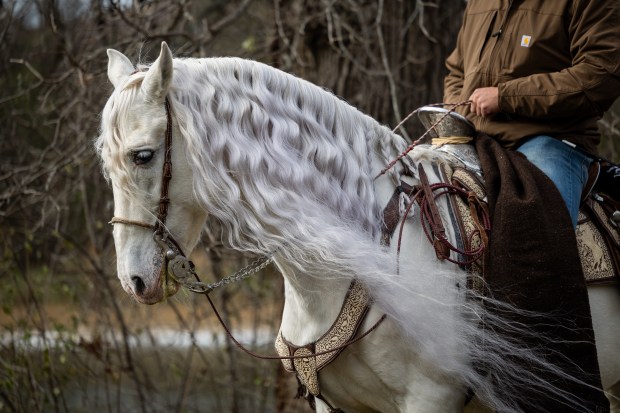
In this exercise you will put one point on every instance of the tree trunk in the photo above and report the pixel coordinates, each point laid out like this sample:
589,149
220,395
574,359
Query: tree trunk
384,57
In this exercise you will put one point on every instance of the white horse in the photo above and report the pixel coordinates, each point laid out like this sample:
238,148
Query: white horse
291,171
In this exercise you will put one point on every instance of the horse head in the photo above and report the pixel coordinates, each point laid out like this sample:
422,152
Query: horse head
132,147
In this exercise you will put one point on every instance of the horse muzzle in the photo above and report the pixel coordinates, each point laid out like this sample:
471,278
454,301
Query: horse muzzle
154,285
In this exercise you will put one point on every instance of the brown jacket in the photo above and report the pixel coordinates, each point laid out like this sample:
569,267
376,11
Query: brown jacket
556,64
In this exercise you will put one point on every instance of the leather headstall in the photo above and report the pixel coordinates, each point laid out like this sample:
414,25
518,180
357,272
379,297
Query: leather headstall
176,261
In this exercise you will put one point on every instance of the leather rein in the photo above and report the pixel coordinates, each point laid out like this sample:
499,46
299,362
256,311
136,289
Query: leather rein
182,270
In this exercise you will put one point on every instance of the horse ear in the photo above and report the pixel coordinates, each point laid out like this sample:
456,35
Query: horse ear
157,79
119,67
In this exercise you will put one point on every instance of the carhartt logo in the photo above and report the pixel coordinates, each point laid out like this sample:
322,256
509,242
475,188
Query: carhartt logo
525,40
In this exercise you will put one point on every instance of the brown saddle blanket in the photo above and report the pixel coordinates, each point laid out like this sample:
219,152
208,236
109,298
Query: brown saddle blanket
533,264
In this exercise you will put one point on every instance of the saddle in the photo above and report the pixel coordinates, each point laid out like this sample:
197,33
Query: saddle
458,226
452,191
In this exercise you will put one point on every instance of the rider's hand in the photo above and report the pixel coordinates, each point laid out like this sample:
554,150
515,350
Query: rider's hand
485,101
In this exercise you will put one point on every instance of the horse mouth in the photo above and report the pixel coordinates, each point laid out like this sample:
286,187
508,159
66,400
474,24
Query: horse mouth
165,287
150,300
163,291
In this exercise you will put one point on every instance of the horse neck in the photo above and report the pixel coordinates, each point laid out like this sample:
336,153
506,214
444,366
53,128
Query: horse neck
313,300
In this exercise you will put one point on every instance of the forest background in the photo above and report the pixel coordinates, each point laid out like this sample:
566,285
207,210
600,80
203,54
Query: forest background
70,339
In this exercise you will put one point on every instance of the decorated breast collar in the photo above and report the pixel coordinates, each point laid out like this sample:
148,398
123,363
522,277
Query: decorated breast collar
352,313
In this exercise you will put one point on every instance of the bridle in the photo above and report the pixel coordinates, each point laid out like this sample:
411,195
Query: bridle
181,268
178,266
164,200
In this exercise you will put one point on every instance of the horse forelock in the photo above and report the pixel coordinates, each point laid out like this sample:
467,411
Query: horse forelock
111,142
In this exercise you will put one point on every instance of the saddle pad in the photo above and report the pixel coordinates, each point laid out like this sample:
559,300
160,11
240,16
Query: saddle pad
598,241
595,257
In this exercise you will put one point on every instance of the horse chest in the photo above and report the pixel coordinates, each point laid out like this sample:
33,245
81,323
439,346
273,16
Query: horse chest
306,361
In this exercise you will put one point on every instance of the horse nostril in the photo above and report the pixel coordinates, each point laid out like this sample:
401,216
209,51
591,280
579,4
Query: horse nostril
138,284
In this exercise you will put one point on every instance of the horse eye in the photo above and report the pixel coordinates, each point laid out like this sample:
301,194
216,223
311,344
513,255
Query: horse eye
142,157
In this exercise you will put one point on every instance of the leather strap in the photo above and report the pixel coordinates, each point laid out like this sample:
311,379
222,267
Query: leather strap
429,214
164,199
434,220
391,212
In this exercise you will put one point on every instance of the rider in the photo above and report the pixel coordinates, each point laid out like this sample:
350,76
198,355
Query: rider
539,72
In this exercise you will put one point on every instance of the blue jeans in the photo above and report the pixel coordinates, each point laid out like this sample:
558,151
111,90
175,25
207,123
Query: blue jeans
566,167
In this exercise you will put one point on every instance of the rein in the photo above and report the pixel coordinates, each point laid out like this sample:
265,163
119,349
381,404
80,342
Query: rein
305,356
424,195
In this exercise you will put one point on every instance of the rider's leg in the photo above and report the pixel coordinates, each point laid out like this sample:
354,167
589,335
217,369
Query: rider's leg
566,167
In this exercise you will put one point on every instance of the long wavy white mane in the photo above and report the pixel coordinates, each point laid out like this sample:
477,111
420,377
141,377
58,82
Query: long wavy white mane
288,169
293,154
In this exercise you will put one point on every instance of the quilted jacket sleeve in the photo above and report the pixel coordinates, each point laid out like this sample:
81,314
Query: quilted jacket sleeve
590,85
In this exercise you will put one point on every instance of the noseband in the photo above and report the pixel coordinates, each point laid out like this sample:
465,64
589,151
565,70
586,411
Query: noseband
176,262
